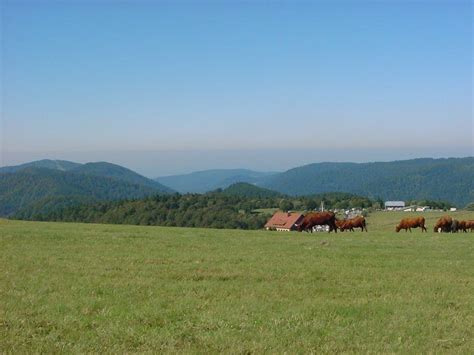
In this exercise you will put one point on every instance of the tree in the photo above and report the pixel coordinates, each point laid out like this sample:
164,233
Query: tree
311,205
286,205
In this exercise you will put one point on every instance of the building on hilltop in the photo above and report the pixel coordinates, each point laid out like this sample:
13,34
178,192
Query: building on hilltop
284,221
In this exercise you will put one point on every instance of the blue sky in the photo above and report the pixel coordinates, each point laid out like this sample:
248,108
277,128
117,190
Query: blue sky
168,87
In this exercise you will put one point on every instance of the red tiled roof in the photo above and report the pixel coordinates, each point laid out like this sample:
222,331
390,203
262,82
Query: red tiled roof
283,220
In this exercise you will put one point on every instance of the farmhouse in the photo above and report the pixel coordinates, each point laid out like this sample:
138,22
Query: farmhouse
284,221
394,205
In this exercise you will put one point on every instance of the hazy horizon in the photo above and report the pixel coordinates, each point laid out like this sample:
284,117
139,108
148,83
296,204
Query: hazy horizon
173,87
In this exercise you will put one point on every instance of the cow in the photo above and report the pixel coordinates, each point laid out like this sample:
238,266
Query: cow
340,223
350,224
462,226
409,223
444,224
470,225
317,219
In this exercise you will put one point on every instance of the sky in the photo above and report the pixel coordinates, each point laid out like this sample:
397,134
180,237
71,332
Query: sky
167,87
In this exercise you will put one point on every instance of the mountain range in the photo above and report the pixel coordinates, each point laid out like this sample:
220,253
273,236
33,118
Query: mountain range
55,182
449,180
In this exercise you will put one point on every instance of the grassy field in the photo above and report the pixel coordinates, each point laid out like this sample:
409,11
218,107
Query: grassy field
95,288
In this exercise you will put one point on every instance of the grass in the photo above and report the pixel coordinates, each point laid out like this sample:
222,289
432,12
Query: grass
95,288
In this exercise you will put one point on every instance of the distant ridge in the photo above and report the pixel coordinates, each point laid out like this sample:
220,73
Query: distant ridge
62,165
449,180
208,180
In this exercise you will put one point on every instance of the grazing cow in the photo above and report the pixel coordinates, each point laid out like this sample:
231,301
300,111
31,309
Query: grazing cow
444,224
350,224
462,226
409,223
470,225
318,219
342,224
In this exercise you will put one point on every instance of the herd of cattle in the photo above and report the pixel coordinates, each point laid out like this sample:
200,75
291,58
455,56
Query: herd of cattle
328,218
445,224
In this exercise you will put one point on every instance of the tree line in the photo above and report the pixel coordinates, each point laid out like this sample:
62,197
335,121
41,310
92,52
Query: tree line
211,210
218,209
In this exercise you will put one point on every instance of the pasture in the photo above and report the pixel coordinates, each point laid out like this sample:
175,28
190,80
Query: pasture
114,288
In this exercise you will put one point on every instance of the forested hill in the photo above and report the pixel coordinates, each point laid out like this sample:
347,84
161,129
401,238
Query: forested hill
434,179
50,183
248,190
102,169
118,172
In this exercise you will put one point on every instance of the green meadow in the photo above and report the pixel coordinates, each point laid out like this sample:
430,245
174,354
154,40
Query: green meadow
114,288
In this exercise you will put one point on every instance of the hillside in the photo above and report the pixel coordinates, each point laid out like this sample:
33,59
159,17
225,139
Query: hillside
32,187
208,180
449,180
118,172
249,190
434,179
102,169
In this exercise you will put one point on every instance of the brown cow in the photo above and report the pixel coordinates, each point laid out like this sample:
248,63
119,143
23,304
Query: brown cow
409,223
470,225
443,225
350,224
462,226
318,219
341,224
